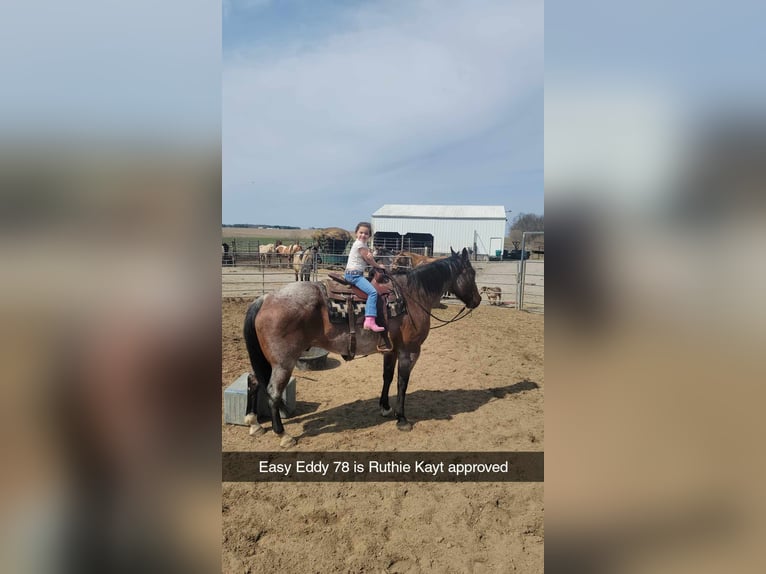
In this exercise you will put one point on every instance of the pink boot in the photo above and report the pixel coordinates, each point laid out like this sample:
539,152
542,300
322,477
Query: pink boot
369,323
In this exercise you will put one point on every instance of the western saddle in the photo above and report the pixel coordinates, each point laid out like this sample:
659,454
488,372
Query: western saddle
340,290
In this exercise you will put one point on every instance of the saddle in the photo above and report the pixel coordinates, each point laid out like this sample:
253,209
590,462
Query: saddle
341,291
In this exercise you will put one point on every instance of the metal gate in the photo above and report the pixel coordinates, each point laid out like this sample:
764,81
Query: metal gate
530,288
253,277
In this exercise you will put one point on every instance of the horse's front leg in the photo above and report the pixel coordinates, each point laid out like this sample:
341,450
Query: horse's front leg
389,363
279,379
407,361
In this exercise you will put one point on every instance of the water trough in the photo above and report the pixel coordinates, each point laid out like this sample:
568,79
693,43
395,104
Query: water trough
312,360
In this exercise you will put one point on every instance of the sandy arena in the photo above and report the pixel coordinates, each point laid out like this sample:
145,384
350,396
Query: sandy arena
478,386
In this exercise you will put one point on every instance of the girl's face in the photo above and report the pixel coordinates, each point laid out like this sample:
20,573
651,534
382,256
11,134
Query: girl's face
363,234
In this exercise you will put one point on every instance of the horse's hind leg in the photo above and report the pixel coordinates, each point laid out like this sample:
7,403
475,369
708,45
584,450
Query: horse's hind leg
251,416
389,364
279,379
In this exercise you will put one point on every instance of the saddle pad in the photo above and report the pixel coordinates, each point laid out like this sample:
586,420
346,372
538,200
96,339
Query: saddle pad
338,309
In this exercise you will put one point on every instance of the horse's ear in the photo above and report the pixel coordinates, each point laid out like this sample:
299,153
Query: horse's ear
452,250
464,253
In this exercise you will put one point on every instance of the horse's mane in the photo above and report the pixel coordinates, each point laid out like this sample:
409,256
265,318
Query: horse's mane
431,278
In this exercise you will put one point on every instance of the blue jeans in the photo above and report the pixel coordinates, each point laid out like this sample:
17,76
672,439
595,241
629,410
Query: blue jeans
357,279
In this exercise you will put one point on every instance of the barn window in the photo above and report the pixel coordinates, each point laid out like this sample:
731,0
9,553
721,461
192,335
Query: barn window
422,243
387,240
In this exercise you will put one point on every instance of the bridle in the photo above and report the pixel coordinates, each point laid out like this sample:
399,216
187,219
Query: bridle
457,316
444,322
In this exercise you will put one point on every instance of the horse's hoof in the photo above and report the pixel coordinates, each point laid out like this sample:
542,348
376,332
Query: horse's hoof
404,426
256,430
287,441
386,412
250,419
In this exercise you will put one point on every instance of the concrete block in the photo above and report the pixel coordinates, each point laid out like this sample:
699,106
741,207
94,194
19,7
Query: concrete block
235,401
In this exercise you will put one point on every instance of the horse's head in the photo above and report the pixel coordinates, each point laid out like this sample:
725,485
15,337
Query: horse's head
464,281
383,256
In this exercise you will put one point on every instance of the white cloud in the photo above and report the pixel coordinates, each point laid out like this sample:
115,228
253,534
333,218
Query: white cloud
396,84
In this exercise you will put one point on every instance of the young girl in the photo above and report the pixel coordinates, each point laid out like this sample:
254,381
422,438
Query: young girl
358,258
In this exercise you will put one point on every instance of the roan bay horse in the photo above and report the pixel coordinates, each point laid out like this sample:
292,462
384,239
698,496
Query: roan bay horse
281,325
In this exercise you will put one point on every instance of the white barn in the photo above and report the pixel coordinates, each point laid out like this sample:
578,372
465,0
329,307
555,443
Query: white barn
436,228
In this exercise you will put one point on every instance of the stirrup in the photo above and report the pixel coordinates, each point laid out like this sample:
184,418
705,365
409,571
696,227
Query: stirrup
384,343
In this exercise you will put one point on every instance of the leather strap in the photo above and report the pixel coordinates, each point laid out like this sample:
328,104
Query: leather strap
351,328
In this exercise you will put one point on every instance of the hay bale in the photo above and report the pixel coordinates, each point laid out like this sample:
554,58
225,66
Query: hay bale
332,239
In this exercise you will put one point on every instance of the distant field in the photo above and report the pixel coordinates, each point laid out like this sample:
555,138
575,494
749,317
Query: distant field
250,233
248,238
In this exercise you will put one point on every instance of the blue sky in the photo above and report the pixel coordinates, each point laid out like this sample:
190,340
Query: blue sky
112,70
333,108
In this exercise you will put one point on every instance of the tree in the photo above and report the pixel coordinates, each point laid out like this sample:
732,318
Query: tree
526,222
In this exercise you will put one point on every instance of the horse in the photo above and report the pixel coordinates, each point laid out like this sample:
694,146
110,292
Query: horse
406,260
279,326
384,256
226,257
265,252
303,263
282,252
297,262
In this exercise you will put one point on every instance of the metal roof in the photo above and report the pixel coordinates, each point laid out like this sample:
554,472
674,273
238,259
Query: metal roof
442,211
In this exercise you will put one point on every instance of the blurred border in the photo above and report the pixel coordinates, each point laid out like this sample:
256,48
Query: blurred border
110,171
655,150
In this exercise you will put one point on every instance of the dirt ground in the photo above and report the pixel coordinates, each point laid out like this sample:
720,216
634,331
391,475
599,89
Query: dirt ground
478,386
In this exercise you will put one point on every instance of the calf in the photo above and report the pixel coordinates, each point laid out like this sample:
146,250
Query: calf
493,294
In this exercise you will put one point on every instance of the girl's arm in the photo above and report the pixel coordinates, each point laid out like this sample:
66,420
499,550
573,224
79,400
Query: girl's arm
367,256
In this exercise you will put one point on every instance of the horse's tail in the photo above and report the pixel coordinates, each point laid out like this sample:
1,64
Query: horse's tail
261,366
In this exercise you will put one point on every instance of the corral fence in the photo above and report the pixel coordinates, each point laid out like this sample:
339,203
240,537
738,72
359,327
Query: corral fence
253,273
516,284
530,277
404,243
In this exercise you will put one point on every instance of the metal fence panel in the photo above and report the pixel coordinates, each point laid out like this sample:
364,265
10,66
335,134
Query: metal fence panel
252,277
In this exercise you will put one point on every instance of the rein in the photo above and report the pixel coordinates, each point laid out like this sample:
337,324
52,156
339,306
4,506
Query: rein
457,316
